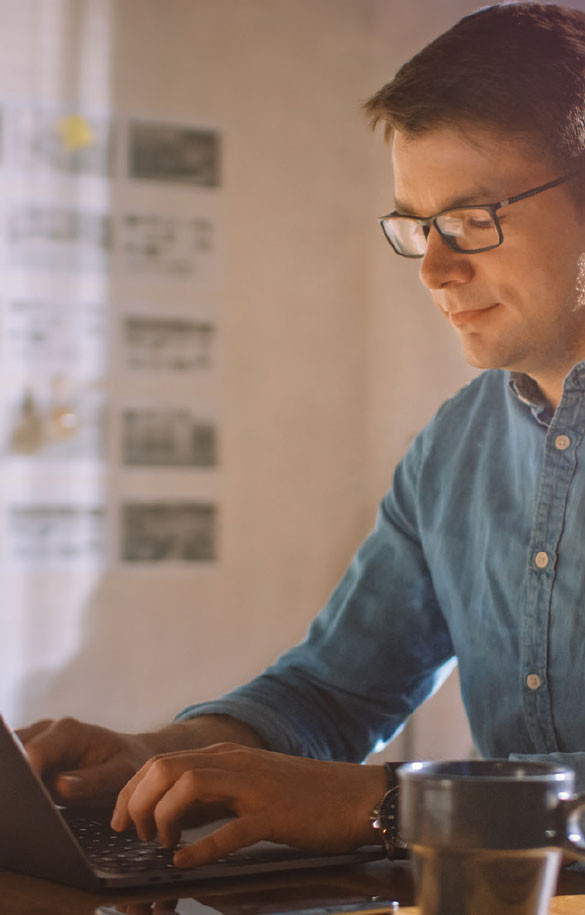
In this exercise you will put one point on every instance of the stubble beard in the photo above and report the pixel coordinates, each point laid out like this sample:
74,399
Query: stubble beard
580,284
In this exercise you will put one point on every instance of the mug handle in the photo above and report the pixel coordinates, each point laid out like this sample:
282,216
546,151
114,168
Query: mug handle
571,834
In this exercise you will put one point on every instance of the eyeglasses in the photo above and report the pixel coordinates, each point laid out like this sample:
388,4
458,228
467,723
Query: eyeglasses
469,229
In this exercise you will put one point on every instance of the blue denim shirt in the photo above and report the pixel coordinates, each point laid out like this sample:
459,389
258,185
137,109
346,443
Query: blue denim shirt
478,554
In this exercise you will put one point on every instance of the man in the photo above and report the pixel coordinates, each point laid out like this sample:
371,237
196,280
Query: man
477,553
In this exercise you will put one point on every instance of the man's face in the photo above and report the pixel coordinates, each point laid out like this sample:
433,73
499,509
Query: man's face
520,306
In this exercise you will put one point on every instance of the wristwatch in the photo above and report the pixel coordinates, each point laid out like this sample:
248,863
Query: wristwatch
384,816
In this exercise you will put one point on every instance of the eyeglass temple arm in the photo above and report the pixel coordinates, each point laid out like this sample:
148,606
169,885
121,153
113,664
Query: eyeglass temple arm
538,190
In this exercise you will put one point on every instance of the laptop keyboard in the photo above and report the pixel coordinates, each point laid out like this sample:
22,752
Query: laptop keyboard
121,852
125,853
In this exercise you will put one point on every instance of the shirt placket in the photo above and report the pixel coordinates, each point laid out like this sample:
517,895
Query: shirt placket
558,469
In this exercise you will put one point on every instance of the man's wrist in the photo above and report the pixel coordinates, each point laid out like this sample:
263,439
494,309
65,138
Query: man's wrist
201,731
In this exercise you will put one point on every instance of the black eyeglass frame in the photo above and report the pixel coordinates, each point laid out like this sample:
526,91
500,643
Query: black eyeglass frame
451,240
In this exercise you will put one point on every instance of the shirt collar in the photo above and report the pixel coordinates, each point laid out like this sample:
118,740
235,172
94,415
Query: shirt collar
526,390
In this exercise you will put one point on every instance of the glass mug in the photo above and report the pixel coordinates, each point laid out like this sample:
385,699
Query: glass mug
487,836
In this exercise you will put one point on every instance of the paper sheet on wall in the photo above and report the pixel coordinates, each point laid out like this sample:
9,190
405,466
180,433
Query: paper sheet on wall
109,243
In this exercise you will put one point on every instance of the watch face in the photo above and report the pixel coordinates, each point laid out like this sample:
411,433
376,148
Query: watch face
389,819
389,805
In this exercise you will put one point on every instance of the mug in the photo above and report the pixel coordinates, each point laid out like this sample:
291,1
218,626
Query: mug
487,836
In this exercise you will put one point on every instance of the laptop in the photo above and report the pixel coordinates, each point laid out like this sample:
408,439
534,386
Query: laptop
77,847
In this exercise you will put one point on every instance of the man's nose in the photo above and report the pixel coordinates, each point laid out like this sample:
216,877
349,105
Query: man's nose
442,265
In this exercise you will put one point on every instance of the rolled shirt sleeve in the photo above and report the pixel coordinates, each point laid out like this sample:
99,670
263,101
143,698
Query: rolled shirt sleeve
375,652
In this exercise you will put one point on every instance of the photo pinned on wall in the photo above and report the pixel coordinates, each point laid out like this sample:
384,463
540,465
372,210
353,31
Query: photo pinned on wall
41,534
168,437
169,531
62,140
51,237
61,421
168,344
56,333
159,151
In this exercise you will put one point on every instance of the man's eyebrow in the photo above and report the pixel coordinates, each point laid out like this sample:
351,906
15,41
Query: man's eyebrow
476,196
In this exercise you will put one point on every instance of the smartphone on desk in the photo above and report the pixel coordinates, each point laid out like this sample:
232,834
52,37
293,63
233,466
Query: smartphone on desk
367,906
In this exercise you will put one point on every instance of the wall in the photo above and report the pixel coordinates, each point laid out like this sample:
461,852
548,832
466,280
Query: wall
332,357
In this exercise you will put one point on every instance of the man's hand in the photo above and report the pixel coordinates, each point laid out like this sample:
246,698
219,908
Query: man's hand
87,764
307,803
83,763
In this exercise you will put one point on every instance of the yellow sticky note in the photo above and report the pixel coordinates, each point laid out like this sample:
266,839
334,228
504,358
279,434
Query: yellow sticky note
75,132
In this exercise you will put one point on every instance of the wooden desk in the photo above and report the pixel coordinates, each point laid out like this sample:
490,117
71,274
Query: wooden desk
21,895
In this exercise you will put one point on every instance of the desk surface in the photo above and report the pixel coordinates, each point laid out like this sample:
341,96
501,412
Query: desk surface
22,895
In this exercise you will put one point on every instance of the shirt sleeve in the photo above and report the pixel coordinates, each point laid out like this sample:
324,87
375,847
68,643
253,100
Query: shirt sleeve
374,653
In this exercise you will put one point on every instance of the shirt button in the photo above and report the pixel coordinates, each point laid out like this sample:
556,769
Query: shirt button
533,681
562,442
541,560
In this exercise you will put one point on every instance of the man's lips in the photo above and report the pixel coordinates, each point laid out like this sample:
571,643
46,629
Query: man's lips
469,315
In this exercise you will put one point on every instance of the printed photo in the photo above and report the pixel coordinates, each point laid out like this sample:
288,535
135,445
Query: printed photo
168,438
169,532
169,152
56,425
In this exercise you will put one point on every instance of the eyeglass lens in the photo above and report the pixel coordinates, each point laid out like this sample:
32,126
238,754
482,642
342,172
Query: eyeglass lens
466,229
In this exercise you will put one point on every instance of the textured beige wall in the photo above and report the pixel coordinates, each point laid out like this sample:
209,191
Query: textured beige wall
331,355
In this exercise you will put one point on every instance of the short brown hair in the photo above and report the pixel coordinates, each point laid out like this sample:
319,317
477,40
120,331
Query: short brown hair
516,68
